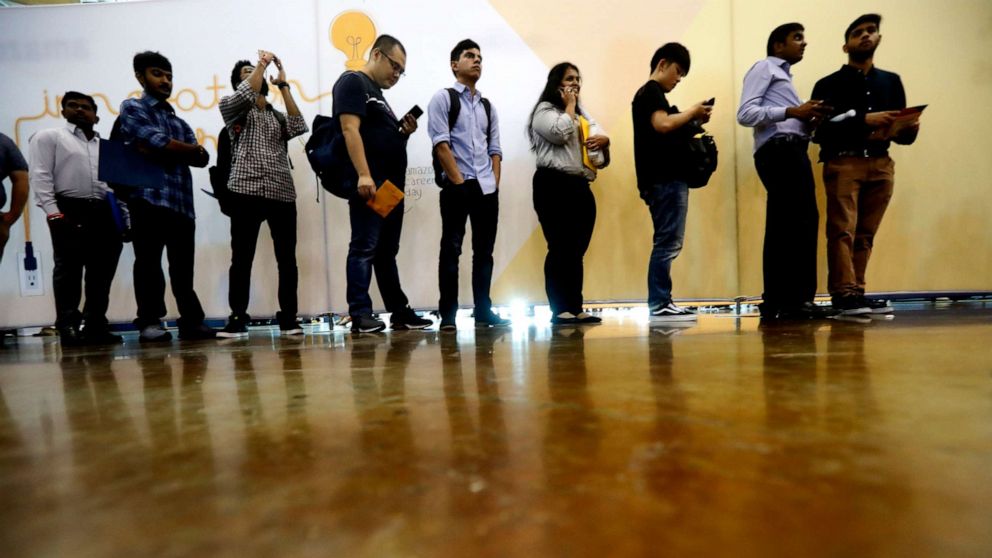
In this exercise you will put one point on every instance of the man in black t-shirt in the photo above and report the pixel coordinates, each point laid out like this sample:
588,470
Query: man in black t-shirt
12,164
660,146
376,142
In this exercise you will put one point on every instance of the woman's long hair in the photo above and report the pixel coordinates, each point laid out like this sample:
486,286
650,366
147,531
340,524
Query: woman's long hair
552,95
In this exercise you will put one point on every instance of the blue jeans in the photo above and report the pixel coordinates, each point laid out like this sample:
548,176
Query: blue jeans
668,203
374,244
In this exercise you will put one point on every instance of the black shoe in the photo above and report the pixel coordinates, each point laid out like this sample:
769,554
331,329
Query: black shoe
851,305
491,319
291,329
564,318
448,324
70,337
408,319
878,306
237,326
768,311
100,336
588,319
197,333
366,324
805,311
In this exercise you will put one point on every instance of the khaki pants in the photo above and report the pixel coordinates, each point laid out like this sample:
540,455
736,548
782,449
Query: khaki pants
858,192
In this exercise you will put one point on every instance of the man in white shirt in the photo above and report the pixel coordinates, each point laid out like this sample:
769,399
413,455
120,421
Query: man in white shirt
84,218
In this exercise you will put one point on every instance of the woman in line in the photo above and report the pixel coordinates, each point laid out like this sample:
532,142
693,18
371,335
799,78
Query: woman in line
569,146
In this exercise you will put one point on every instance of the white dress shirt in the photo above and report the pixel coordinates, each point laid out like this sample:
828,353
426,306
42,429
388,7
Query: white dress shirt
63,162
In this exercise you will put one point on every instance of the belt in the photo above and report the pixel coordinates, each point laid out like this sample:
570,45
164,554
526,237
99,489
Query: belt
788,138
861,153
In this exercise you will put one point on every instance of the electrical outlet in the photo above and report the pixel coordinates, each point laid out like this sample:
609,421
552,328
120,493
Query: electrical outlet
29,270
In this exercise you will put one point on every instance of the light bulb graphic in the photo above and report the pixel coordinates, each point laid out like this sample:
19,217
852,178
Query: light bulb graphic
353,33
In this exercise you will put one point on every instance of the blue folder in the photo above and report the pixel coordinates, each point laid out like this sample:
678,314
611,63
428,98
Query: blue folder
122,164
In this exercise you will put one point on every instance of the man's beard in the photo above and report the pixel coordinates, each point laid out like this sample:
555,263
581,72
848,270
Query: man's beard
862,55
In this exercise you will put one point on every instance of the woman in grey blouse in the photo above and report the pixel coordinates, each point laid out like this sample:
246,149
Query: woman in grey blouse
570,146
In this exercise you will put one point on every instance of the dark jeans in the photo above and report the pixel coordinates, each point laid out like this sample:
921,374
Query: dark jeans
247,214
86,238
374,244
669,205
155,229
791,222
566,209
459,203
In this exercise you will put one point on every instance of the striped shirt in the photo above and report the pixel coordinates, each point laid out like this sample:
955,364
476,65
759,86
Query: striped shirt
259,161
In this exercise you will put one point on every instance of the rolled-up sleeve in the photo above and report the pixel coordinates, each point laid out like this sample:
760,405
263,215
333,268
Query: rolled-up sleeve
234,106
437,118
494,146
138,124
553,125
751,112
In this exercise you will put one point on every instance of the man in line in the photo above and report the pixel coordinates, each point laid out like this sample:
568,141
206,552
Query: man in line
469,154
376,142
85,232
660,149
858,174
12,164
782,122
162,218
261,188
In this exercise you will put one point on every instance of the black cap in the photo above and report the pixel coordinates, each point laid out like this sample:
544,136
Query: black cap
867,18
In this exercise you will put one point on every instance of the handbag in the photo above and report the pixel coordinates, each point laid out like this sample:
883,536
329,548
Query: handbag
701,157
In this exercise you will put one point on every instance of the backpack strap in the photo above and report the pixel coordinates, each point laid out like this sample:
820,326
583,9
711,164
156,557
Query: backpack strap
454,109
489,119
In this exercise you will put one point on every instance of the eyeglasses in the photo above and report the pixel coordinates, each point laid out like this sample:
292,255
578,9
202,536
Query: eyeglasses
396,65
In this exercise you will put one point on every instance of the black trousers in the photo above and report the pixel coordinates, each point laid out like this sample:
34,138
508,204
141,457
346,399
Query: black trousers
155,229
566,209
247,215
458,204
791,222
86,240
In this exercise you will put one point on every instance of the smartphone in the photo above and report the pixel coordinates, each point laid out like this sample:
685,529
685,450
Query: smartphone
415,112
710,102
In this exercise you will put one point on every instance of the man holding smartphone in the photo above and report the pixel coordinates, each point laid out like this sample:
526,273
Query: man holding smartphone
376,142
464,131
782,124
261,187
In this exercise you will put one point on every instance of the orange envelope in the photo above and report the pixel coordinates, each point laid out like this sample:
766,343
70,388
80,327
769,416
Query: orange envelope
387,197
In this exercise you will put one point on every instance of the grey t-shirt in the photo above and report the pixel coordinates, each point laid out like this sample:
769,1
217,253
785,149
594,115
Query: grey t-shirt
10,160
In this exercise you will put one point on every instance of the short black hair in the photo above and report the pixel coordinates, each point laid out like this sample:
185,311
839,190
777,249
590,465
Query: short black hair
71,95
150,59
781,34
867,18
236,72
672,52
462,46
386,43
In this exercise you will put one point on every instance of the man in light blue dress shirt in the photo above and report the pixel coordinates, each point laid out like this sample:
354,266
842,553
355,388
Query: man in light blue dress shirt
464,131
782,123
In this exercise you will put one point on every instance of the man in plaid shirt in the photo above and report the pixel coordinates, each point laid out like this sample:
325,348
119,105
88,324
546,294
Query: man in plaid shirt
261,188
162,217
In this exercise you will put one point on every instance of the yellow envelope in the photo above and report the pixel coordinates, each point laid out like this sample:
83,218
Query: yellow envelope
387,197
583,136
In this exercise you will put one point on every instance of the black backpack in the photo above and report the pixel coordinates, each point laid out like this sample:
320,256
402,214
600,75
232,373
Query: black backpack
701,160
456,107
328,156
220,174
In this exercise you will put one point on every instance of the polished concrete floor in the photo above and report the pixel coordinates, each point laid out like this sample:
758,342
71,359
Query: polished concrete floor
729,438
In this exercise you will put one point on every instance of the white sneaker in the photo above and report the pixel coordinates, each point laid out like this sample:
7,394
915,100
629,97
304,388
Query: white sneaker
672,313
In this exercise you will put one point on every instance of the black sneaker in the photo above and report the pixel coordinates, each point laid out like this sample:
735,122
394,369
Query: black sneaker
878,306
491,319
291,329
671,312
197,333
448,324
408,319
851,305
805,311
100,336
237,326
366,324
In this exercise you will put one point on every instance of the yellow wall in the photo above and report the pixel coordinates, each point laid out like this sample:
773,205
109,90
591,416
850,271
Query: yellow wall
934,236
